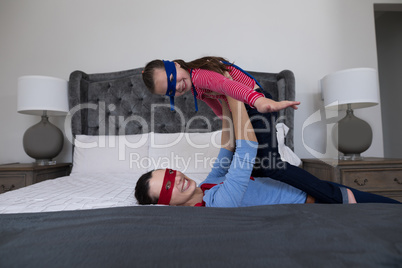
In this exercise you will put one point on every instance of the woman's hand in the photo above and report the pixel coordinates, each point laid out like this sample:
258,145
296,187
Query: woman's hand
265,105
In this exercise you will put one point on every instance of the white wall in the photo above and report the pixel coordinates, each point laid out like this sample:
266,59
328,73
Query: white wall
311,37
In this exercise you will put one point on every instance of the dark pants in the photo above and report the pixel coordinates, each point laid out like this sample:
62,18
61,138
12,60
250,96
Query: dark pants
269,163
365,197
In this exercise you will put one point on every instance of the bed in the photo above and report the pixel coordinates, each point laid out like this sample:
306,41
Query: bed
119,131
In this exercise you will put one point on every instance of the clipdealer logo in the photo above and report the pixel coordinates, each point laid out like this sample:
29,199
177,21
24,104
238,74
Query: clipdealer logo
322,118
322,121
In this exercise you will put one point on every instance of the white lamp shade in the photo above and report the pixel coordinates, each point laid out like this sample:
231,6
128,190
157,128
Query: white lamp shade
42,93
358,87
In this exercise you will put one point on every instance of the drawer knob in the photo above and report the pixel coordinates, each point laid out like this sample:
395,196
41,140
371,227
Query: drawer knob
358,182
6,189
398,181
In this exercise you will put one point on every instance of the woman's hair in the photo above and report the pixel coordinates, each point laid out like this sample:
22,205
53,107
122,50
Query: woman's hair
214,64
142,190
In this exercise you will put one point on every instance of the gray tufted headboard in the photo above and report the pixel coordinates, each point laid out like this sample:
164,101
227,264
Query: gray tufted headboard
118,103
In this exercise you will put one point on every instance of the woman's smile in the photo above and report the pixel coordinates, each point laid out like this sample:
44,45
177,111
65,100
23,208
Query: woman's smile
185,185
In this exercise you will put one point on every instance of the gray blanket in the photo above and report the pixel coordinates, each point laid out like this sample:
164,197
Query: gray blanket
363,235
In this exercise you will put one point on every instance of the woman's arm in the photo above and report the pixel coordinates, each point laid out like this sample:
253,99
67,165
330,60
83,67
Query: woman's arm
227,138
244,131
242,125
230,193
222,163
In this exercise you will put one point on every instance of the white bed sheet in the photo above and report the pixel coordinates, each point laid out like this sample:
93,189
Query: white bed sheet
76,192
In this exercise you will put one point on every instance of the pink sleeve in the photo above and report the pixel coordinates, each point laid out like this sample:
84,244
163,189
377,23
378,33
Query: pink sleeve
220,84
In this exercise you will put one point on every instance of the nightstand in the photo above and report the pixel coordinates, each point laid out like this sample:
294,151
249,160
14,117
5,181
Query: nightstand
14,176
375,175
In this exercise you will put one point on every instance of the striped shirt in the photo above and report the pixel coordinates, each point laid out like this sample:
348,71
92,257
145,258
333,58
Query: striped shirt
211,86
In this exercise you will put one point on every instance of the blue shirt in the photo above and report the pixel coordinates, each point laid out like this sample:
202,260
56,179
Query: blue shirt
231,172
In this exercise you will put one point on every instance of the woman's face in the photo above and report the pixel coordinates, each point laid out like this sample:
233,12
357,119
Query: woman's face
183,191
183,81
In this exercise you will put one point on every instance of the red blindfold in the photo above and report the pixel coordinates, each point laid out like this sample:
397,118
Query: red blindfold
167,187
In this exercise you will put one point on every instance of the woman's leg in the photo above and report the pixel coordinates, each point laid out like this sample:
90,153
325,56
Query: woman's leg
364,197
269,163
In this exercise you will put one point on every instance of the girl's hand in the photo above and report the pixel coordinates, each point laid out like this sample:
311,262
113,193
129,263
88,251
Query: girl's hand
265,105
227,75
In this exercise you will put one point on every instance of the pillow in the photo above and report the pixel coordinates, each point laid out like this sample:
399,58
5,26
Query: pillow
186,152
109,154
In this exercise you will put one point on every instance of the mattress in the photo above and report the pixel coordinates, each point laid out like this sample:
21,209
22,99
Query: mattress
76,192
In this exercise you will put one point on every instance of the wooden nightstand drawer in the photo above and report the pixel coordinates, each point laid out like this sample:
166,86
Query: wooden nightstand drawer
375,175
12,182
373,179
14,176
51,174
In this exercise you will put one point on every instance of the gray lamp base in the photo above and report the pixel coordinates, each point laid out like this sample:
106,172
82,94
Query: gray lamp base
352,136
43,142
45,162
351,157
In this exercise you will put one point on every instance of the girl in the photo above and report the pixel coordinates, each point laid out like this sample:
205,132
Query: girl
211,79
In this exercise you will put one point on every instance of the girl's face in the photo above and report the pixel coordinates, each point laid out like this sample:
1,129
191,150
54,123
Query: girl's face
183,191
183,81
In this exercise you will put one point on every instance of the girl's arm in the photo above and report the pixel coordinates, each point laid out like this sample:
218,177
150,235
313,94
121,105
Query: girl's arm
226,86
265,105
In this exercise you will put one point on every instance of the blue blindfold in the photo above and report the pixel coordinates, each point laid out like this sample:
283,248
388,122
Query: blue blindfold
170,69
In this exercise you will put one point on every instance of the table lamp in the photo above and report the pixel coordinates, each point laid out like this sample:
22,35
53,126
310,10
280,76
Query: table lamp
347,90
44,96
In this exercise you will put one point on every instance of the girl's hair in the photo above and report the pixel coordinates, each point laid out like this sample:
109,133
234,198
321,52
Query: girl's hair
142,190
214,64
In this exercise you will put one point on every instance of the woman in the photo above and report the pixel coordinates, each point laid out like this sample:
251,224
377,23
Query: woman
230,183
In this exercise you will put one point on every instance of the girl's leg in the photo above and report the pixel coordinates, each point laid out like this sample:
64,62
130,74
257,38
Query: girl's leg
269,163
